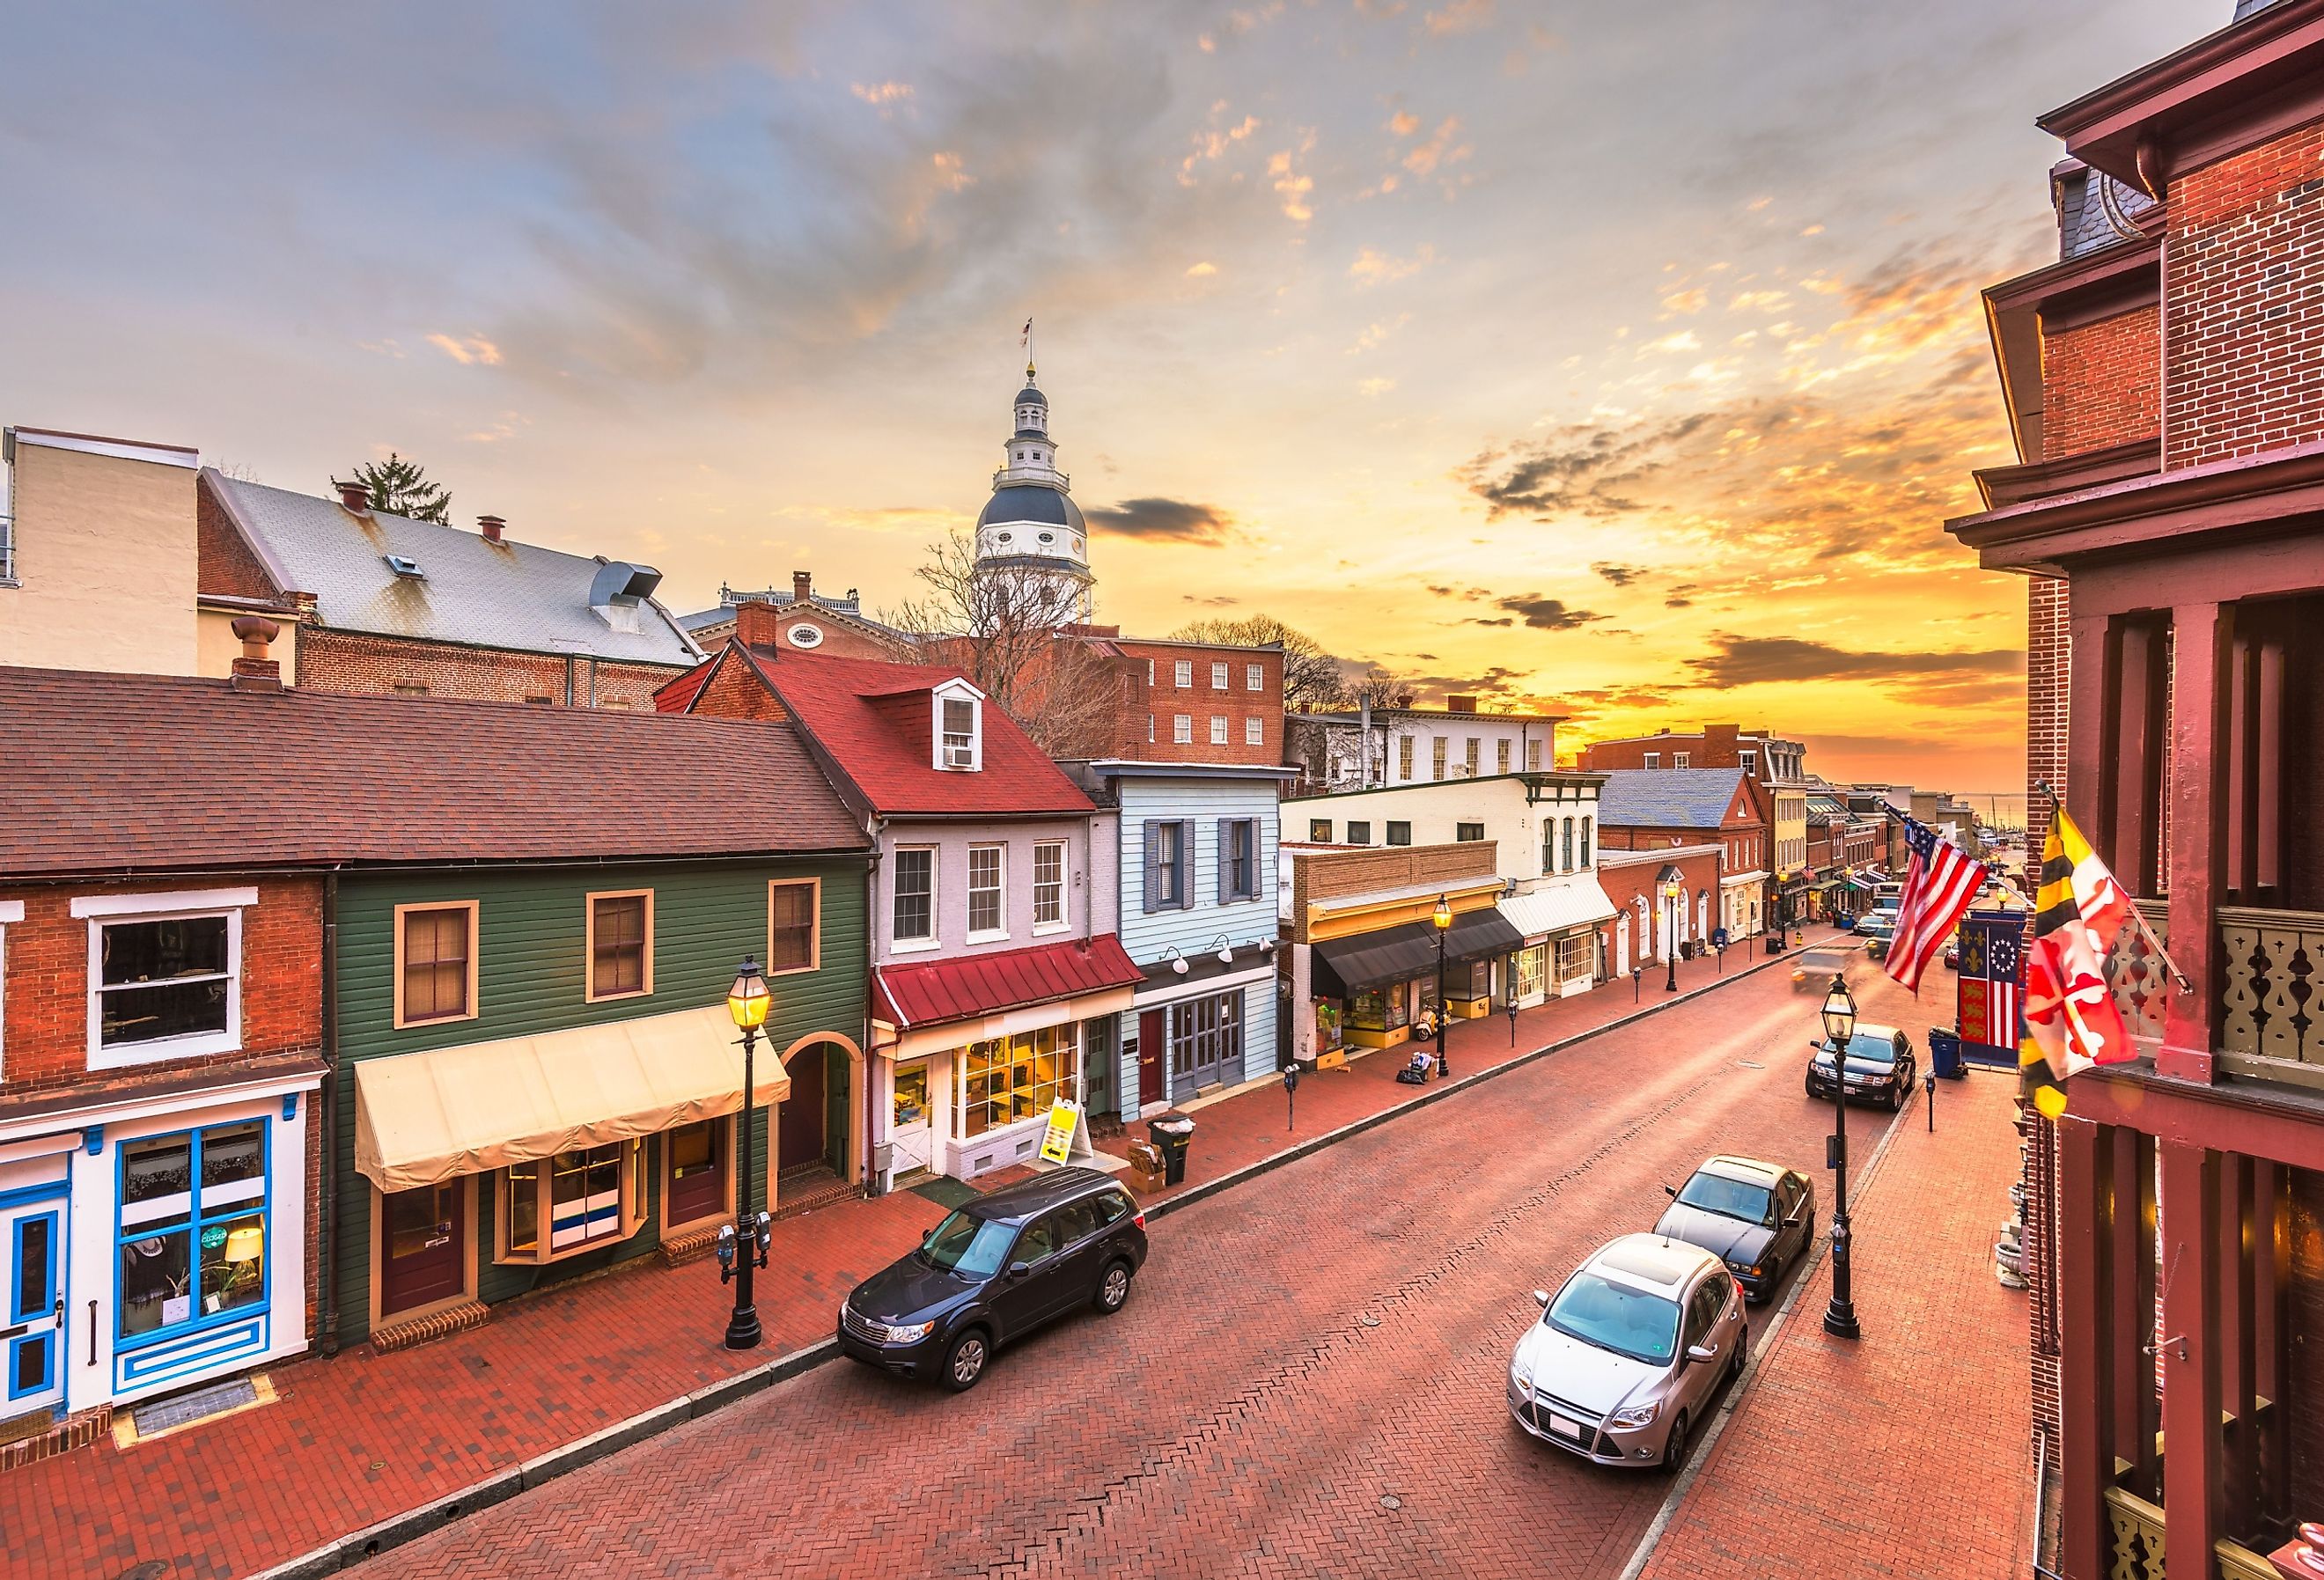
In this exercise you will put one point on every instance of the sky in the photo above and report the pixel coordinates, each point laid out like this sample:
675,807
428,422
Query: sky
1621,362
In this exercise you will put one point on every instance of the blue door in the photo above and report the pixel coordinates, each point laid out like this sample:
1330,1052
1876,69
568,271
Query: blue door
32,1238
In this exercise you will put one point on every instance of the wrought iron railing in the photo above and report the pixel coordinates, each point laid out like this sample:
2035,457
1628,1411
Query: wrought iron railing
2272,1000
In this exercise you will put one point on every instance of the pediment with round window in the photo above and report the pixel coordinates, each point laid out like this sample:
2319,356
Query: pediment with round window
805,635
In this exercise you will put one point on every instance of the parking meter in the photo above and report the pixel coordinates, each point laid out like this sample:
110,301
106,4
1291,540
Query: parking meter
1513,1022
1290,1092
1929,1080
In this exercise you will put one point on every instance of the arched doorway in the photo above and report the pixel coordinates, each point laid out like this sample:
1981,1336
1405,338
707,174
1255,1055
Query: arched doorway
815,1127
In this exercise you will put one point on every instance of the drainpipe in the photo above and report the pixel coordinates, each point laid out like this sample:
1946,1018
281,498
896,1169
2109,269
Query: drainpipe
328,1099
870,1074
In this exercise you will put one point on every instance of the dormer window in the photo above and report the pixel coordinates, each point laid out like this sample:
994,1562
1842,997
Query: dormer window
960,732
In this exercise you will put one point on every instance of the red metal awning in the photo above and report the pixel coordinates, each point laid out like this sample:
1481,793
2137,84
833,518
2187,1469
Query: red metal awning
974,985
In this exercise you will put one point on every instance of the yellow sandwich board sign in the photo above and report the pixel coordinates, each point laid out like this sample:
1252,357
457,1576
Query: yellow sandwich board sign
1065,1119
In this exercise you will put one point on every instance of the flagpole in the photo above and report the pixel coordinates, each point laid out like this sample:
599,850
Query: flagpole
2146,931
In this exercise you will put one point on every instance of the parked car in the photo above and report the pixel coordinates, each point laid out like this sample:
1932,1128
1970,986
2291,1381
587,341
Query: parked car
1877,924
994,1271
1880,1066
1758,1218
1625,1360
1952,953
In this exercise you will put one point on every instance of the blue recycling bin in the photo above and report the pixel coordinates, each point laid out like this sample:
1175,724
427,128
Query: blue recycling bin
1945,1053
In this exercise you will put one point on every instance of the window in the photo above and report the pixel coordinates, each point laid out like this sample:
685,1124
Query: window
1184,669
1533,756
1750,762
620,945
1404,758
1569,844
1585,842
1378,1008
164,974
1681,759
191,1232
958,747
1319,829
1254,677
1469,754
1237,858
1218,677
1169,864
1048,884
916,894
1009,1078
1468,833
1218,729
1548,845
1500,756
985,917
1358,833
583,1197
1652,758
1182,729
1436,749
1254,732
410,689
1150,671
1207,1038
435,963
1150,729
1399,833
792,942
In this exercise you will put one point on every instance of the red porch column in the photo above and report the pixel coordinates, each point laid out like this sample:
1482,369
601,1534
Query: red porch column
2190,1349
2203,644
2085,1192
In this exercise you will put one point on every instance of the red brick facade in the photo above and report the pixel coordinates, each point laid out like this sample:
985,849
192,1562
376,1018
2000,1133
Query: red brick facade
2101,383
1628,883
769,626
351,661
1162,701
223,561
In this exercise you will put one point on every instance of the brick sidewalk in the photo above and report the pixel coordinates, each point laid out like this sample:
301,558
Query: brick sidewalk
362,1437
1907,1453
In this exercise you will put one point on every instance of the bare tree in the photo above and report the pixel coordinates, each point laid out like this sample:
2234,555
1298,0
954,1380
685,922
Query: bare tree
1380,689
1009,630
1312,677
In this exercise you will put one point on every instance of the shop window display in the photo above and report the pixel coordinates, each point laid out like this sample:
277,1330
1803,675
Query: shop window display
1017,1077
189,1252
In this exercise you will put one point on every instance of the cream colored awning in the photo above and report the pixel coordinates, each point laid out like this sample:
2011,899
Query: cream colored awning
423,1118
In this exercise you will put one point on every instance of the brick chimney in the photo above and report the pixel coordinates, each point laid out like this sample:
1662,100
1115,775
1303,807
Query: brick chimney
491,527
354,498
254,670
802,588
758,624
1460,704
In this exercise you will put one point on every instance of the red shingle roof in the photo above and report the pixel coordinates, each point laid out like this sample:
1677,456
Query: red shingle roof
105,772
873,719
985,985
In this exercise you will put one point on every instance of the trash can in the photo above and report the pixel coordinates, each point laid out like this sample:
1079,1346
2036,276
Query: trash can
1172,1134
1945,1053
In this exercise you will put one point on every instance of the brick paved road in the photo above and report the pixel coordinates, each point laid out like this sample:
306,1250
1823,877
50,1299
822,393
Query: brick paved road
1241,1418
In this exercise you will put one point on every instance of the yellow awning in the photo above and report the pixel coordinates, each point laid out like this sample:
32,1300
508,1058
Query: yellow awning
423,1118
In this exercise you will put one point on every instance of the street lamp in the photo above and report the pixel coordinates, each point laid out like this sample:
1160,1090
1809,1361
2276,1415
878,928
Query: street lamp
742,1243
1444,921
1839,1026
1673,894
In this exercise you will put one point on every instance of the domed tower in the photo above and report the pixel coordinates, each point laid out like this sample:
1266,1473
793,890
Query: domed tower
1031,522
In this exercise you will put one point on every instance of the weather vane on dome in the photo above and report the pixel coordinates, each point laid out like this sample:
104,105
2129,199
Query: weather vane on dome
1025,341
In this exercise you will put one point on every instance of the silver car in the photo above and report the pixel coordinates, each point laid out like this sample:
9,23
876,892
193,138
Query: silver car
1625,1360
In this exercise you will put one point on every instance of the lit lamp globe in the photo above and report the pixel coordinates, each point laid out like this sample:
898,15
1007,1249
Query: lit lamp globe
243,1241
1839,1013
1444,916
748,999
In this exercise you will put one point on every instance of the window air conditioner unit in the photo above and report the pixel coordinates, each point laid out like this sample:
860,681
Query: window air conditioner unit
960,757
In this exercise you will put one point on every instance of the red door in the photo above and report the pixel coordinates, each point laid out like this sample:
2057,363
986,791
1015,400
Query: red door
1150,1039
698,1171
423,1252
799,1126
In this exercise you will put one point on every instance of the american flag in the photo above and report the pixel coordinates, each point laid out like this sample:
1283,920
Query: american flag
2006,995
1939,884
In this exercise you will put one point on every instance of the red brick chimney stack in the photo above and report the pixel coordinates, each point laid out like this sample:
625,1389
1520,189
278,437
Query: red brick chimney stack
354,498
758,624
802,588
254,670
491,527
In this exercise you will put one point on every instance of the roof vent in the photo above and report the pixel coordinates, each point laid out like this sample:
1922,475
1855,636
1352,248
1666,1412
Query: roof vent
405,566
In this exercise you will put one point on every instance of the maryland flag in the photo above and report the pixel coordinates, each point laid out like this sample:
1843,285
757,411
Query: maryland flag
2070,1019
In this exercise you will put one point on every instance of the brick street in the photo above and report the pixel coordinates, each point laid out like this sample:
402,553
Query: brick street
1308,1379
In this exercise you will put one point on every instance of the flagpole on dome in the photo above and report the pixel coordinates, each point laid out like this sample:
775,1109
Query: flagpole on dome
2145,930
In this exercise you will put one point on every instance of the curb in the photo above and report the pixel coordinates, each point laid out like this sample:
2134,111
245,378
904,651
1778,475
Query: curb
397,1529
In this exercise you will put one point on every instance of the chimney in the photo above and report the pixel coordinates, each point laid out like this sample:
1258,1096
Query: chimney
758,624
491,527
1460,704
802,587
1404,699
254,670
355,499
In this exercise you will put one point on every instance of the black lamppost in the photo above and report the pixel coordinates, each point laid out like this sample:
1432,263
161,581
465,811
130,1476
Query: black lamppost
1839,1026
742,1243
1444,921
1673,896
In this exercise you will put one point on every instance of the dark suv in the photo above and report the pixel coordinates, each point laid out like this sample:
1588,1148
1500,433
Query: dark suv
998,1267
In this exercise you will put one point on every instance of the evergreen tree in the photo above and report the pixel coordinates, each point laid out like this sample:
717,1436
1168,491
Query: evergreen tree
400,487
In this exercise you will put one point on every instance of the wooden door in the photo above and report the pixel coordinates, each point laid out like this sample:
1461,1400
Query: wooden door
698,1171
1150,1049
799,1126
423,1246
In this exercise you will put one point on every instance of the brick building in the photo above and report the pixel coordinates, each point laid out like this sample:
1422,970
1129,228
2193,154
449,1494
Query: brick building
804,620
1657,893
1647,808
2167,402
1378,748
1198,702
1777,764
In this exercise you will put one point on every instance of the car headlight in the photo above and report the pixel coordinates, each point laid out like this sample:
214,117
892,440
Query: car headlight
912,1334
1637,1414
1521,1373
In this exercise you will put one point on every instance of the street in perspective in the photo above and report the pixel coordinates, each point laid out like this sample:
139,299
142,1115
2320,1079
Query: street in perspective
1593,856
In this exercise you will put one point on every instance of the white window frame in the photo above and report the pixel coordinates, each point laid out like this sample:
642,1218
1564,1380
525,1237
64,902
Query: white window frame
102,910
1501,755
1682,760
1650,759
1218,675
999,890
1218,729
11,911
1062,920
1254,731
898,942
943,742
1533,756
1254,677
1183,673
1182,729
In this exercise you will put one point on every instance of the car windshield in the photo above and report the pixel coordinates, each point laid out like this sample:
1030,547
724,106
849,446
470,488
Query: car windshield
1873,1046
1730,1199
1614,1317
969,1247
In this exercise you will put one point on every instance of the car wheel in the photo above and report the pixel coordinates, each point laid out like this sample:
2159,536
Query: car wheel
1674,1445
1896,1099
1742,1349
965,1360
1774,1280
1113,1289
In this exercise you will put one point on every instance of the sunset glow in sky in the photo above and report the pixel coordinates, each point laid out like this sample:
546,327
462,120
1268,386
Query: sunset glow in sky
1623,359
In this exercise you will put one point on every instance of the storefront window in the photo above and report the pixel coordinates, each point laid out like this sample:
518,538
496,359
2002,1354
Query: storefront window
1576,956
1531,965
1329,1034
1017,1077
585,1196
1469,979
1206,1035
1380,1009
188,1253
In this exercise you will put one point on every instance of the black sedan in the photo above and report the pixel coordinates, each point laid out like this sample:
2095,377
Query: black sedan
1880,1066
994,1271
1758,1218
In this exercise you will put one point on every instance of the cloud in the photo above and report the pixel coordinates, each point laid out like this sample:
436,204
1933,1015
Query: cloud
1439,150
1374,387
1373,267
1686,301
1373,334
1459,17
1291,187
1163,520
467,352
1621,576
881,95
1203,271
1750,661
1404,123
1548,614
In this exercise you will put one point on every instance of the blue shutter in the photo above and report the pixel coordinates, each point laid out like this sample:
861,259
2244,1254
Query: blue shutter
1226,860
1153,865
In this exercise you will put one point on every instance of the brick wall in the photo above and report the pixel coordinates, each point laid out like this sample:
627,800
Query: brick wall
352,662
1624,883
736,692
1165,699
2243,280
2102,383
1327,874
224,562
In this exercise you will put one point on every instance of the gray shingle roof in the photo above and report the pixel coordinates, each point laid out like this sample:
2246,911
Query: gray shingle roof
506,594
1667,797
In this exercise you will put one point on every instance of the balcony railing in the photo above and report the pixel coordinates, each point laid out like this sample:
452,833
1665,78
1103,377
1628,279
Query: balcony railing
2138,1530
2272,1001
2140,984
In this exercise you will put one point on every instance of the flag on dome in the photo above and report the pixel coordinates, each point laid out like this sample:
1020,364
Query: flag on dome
1940,881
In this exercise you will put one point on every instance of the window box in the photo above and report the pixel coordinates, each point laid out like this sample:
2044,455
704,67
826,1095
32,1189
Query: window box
164,975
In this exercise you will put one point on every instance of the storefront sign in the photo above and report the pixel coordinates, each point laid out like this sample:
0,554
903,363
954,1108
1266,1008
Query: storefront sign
1065,1119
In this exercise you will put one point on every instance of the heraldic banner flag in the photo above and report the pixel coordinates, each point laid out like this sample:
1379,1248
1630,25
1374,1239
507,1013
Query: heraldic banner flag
1990,996
2072,1021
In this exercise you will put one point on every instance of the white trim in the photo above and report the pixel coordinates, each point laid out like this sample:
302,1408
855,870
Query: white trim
1000,891
129,1110
1210,987
161,904
161,1050
39,1147
160,455
11,911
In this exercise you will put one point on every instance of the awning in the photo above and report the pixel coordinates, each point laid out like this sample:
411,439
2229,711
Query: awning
1346,967
976,986
1557,909
423,1118
1820,884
